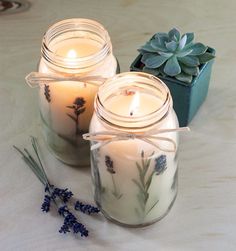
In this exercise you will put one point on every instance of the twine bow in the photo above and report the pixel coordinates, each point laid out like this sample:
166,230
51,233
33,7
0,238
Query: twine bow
106,137
34,79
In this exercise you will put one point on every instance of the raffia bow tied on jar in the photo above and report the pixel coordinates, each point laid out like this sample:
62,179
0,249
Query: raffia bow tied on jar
106,137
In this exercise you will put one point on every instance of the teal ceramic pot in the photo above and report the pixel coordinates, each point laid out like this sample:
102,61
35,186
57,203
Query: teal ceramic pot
187,98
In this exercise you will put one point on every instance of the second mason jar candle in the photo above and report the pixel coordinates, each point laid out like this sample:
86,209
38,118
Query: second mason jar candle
134,142
72,48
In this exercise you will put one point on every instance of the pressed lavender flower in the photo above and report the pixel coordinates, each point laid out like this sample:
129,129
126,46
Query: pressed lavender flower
47,93
161,164
109,165
86,208
80,101
46,203
78,108
71,222
142,154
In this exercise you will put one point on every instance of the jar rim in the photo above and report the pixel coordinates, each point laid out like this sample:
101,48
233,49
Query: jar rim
76,24
137,79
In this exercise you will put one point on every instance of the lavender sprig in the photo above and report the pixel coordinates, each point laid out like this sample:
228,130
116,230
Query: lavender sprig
60,197
63,194
86,208
46,204
70,222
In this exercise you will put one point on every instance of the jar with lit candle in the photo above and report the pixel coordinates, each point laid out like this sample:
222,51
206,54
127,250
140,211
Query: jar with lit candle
73,48
134,141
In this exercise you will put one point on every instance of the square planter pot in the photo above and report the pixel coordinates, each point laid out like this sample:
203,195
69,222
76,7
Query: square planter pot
187,98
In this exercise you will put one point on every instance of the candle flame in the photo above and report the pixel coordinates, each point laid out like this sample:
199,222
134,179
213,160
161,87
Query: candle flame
134,104
72,54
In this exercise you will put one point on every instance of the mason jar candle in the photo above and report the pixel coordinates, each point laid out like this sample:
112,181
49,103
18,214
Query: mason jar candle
134,141
72,48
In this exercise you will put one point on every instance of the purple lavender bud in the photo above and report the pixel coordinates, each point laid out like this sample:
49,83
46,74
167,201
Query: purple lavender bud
161,164
86,208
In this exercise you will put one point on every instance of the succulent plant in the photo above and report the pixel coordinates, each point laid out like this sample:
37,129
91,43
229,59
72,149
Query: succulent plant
170,54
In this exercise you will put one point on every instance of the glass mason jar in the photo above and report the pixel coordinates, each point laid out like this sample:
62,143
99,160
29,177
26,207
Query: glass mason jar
73,47
134,142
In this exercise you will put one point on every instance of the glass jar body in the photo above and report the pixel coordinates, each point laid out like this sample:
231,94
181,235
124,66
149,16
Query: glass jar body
135,183
66,107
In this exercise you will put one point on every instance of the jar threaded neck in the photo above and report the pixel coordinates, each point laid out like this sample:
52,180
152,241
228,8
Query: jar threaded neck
133,81
73,28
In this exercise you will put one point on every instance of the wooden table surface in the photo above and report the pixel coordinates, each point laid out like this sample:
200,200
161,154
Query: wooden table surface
204,214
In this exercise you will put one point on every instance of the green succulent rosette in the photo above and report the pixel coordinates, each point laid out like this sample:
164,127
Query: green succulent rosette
173,55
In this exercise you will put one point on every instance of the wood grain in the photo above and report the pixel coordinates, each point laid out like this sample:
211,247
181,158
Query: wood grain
204,215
